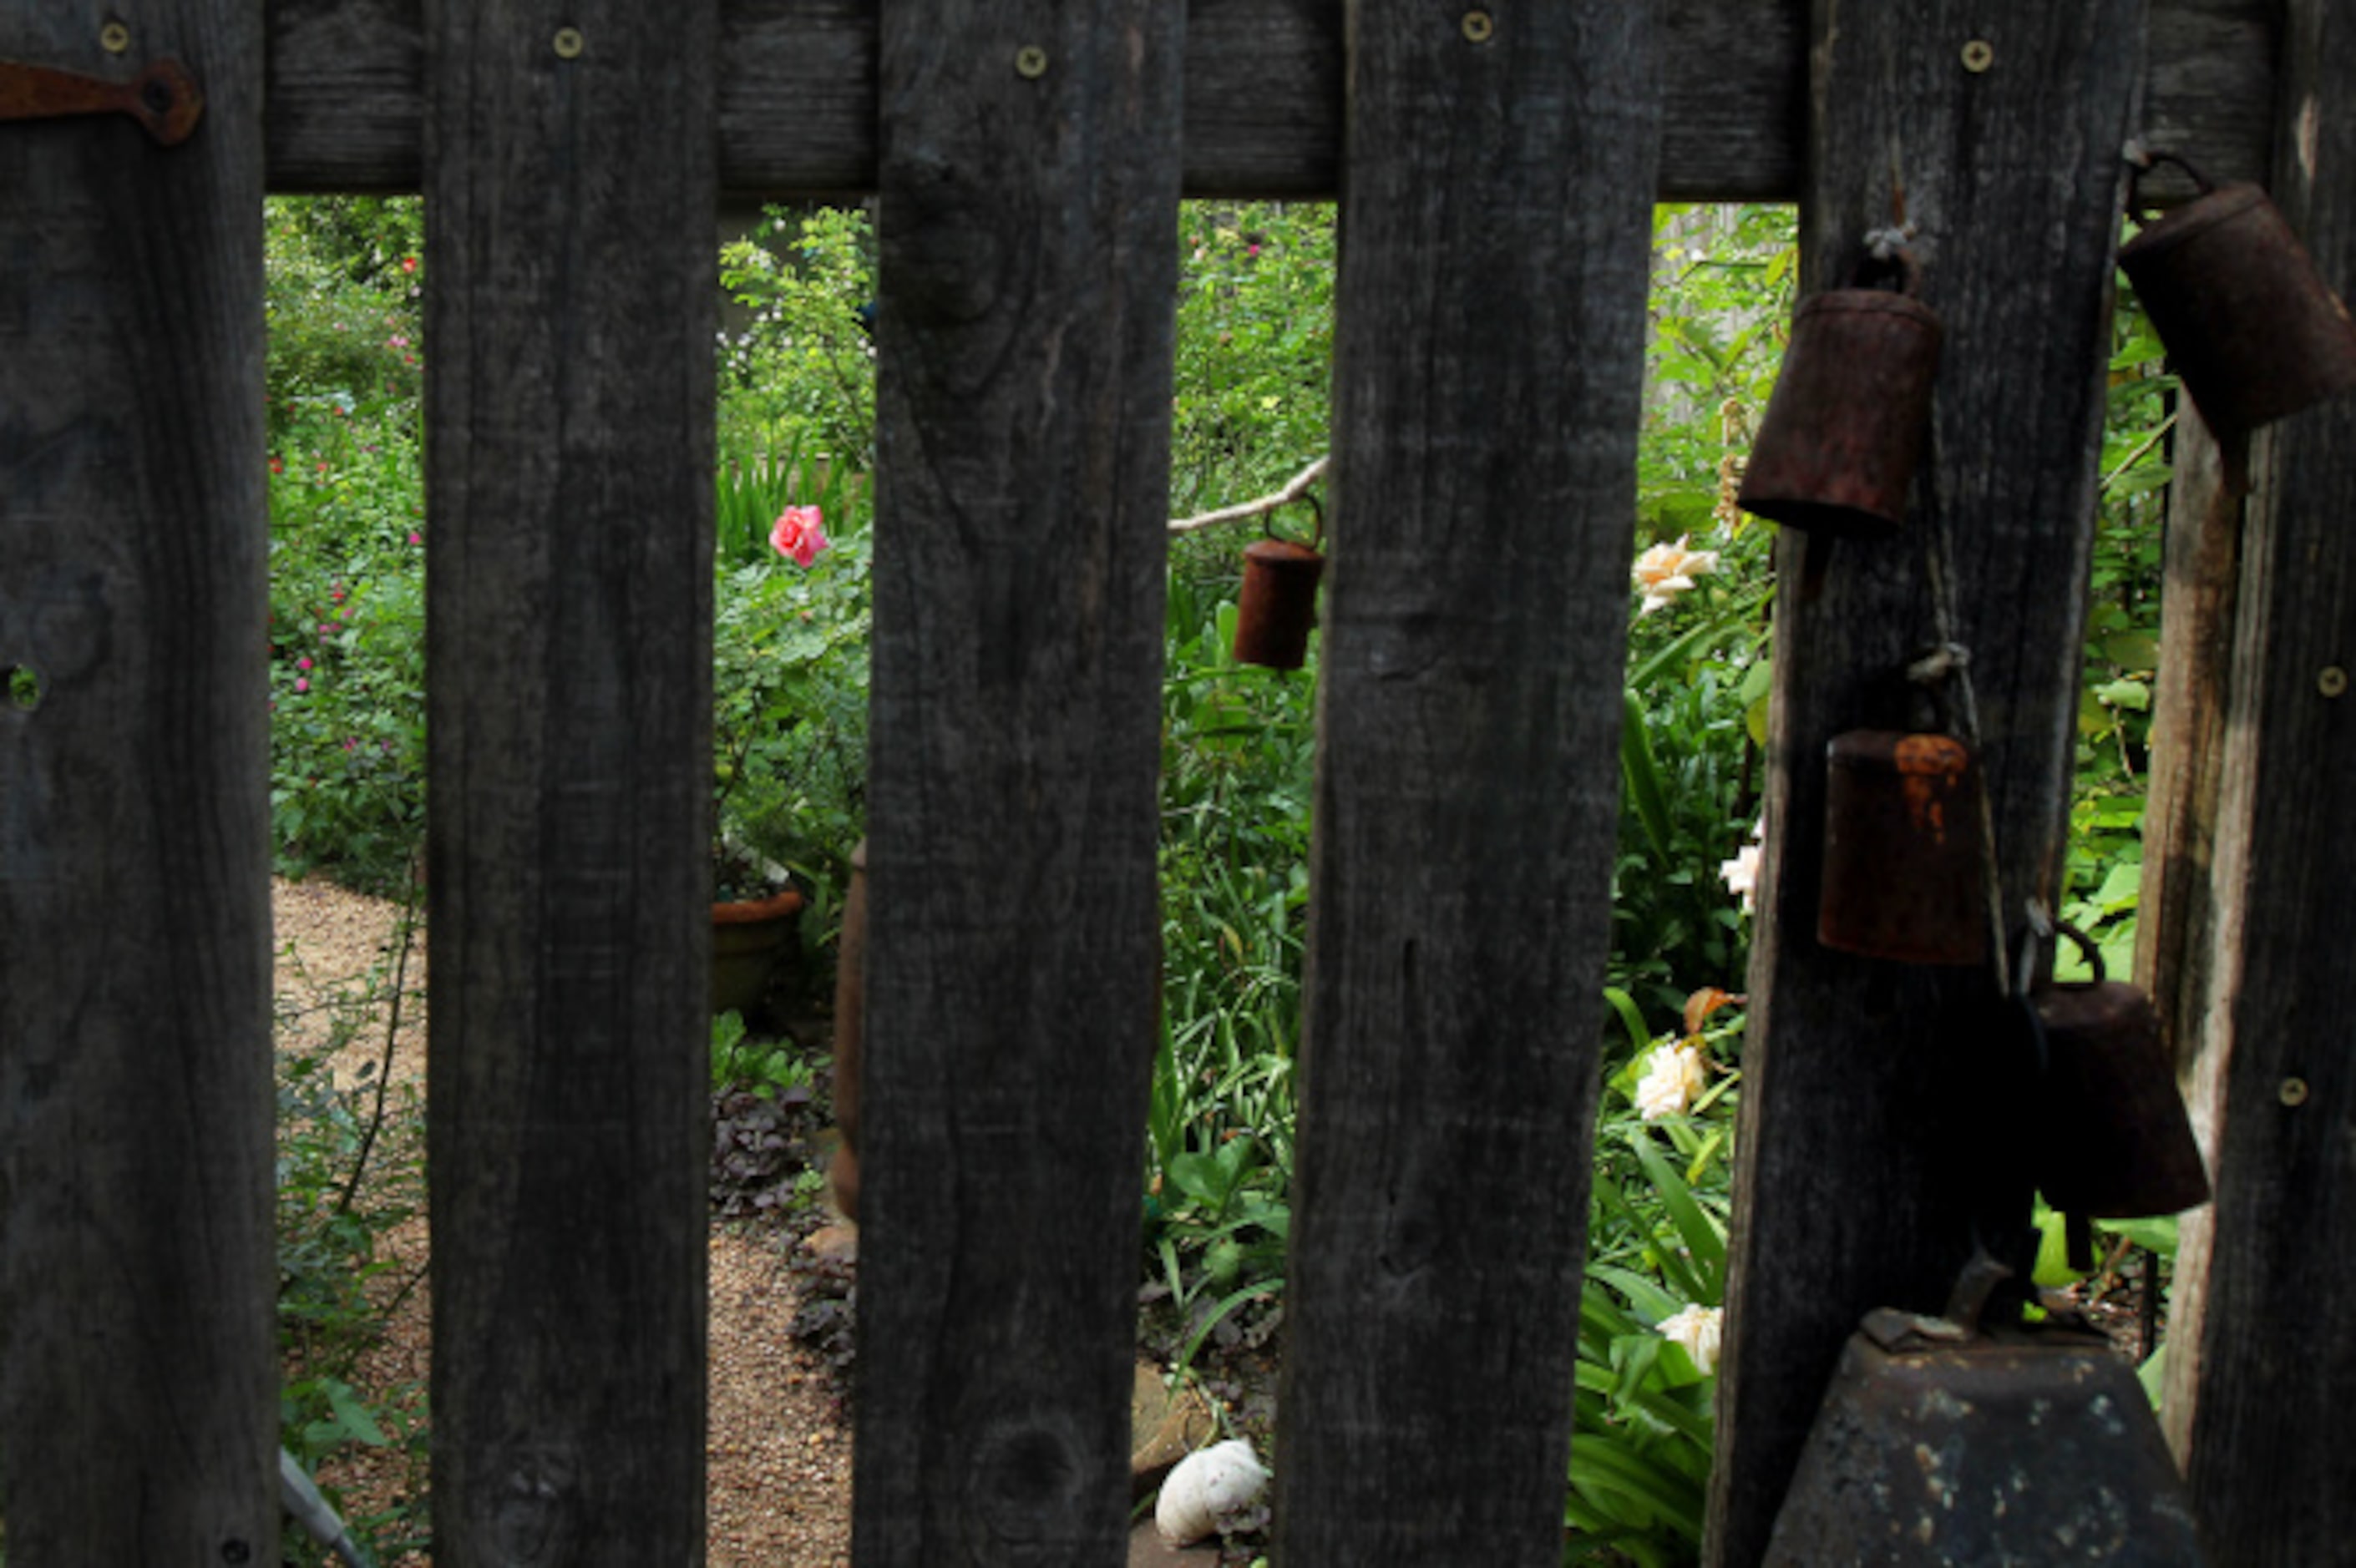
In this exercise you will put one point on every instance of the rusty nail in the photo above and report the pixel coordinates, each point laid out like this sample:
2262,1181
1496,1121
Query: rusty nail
2294,1092
1978,55
2332,681
1478,27
114,37
569,43
1030,62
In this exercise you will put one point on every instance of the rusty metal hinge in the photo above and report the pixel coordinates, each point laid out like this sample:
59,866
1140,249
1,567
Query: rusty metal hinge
164,98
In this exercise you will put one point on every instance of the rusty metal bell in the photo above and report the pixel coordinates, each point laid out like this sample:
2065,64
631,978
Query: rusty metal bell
2114,1140
1279,604
2247,319
1939,1443
1904,872
1844,428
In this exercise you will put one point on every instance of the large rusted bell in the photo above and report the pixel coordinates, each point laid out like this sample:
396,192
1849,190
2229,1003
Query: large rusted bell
1279,604
1844,429
1903,874
2248,321
2114,1142
1937,1444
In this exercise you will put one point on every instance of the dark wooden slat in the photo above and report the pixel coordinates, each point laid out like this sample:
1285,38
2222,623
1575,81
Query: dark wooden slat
1875,1126
569,597
138,1410
2260,1339
1264,100
1025,330
1488,370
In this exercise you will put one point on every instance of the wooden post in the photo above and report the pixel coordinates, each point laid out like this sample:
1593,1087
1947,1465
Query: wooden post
1025,329
1879,1129
1488,370
2259,1342
570,321
138,1410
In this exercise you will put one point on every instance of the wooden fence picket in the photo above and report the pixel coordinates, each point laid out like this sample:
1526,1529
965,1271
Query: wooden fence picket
1025,326
138,1402
1879,1125
570,386
1488,368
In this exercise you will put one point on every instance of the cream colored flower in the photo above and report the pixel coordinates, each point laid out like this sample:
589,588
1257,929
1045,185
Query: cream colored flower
1666,571
1696,1330
1672,1076
1740,875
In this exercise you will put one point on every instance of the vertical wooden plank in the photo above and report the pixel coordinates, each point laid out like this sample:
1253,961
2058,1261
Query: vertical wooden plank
138,1410
569,191
2260,1343
1878,1128
1029,230
1495,234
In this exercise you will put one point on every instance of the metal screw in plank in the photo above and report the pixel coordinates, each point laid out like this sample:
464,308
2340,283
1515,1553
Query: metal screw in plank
1479,27
569,43
2332,681
114,37
2294,1092
1978,55
1030,62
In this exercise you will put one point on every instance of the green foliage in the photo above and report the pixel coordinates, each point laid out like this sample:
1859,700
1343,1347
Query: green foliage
347,512
800,377
742,1061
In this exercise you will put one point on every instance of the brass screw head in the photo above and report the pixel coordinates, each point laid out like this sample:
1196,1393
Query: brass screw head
114,37
1978,55
2294,1092
2331,681
1479,27
569,43
1030,62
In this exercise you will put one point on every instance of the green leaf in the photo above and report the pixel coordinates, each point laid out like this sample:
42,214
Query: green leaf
2133,695
1701,1237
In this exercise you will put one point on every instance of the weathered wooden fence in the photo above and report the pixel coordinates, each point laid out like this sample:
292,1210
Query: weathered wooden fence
1494,166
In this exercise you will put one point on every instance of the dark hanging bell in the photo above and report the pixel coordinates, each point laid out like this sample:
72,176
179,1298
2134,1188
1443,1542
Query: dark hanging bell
2247,319
1844,428
1939,1444
2114,1140
1904,876
1279,604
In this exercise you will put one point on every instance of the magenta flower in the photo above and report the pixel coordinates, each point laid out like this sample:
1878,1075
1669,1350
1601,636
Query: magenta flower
417,537
303,663
302,683
799,533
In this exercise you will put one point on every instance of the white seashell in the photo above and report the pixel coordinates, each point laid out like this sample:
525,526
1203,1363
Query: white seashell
1207,1486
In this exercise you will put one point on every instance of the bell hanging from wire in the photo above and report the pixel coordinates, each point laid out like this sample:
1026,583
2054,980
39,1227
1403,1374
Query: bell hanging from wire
1904,873
2247,319
1279,604
1844,426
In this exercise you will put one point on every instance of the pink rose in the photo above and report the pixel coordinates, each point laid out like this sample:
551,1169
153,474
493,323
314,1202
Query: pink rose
302,683
800,534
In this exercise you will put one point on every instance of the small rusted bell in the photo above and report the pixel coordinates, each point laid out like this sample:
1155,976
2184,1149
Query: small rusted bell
2113,1141
1904,875
1845,427
1279,604
2248,321
1939,1443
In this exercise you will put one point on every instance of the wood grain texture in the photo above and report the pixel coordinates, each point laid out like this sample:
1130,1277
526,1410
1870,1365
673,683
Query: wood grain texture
1875,1135
2257,1398
138,1410
1028,227
568,625
1487,378
1263,113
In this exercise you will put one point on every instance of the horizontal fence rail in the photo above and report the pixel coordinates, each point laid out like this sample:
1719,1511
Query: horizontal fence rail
1263,113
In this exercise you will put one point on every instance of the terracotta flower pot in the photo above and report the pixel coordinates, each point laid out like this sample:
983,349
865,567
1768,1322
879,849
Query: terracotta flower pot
748,937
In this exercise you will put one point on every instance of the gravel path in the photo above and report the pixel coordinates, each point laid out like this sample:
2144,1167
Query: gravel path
778,1458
